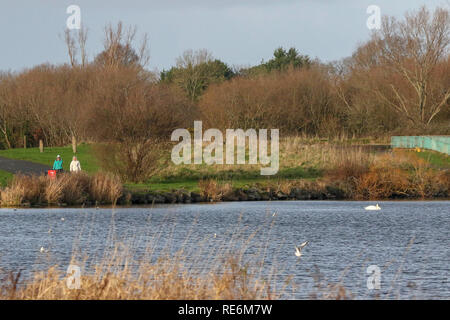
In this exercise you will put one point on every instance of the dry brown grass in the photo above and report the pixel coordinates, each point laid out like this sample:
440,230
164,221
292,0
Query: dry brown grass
295,151
76,189
401,174
105,188
54,189
24,188
164,280
213,190
193,271
72,189
12,196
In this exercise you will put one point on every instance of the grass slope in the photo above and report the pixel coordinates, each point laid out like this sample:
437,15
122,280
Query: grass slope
84,154
295,163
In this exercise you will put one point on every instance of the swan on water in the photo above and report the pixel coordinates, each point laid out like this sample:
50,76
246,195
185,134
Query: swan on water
376,207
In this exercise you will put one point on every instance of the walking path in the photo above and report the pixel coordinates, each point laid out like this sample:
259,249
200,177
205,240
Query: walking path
22,166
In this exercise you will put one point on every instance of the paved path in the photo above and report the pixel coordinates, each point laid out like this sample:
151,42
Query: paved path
22,166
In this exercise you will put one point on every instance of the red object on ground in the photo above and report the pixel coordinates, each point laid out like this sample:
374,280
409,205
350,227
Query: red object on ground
51,174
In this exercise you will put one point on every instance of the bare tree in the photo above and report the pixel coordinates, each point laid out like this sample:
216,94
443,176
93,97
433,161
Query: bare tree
119,50
82,39
75,44
7,97
412,50
71,47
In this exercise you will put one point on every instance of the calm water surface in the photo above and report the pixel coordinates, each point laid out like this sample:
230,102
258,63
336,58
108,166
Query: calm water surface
408,241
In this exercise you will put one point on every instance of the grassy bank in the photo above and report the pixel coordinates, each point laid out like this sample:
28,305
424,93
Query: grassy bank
314,166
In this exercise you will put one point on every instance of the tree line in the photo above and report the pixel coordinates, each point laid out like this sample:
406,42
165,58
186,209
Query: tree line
398,82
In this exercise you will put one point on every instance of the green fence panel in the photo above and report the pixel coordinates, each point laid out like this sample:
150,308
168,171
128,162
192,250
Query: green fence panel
436,143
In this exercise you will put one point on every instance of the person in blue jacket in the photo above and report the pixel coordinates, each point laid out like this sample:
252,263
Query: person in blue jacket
58,164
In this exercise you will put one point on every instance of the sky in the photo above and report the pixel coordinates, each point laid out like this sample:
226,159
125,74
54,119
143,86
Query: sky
239,32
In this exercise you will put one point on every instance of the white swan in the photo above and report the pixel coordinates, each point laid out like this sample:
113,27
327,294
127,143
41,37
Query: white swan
372,208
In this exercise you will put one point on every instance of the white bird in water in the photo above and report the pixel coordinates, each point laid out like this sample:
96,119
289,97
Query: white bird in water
42,250
298,250
215,235
372,208
274,214
50,230
62,219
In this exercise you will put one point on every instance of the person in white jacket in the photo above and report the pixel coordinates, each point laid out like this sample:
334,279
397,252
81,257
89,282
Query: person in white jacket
75,165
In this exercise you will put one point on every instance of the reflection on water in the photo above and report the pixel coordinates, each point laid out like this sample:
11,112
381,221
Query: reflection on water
408,241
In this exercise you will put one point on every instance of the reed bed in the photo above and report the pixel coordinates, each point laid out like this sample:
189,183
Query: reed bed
71,189
161,272
232,266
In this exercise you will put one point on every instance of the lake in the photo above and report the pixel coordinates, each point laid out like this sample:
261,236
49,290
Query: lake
407,240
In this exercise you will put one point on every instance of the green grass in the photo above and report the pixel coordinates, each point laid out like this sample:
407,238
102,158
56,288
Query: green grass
186,177
84,154
5,178
190,185
435,159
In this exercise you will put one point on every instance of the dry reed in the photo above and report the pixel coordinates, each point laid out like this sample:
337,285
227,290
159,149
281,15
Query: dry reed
72,189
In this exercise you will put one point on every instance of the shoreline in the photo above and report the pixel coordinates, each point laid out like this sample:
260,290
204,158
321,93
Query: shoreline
161,205
183,197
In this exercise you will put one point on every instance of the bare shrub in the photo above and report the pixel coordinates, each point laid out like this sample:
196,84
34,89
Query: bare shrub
382,183
135,127
133,161
295,101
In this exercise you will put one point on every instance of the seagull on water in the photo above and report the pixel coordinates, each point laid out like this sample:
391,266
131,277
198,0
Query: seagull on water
298,250
373,208
62,219
42,250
